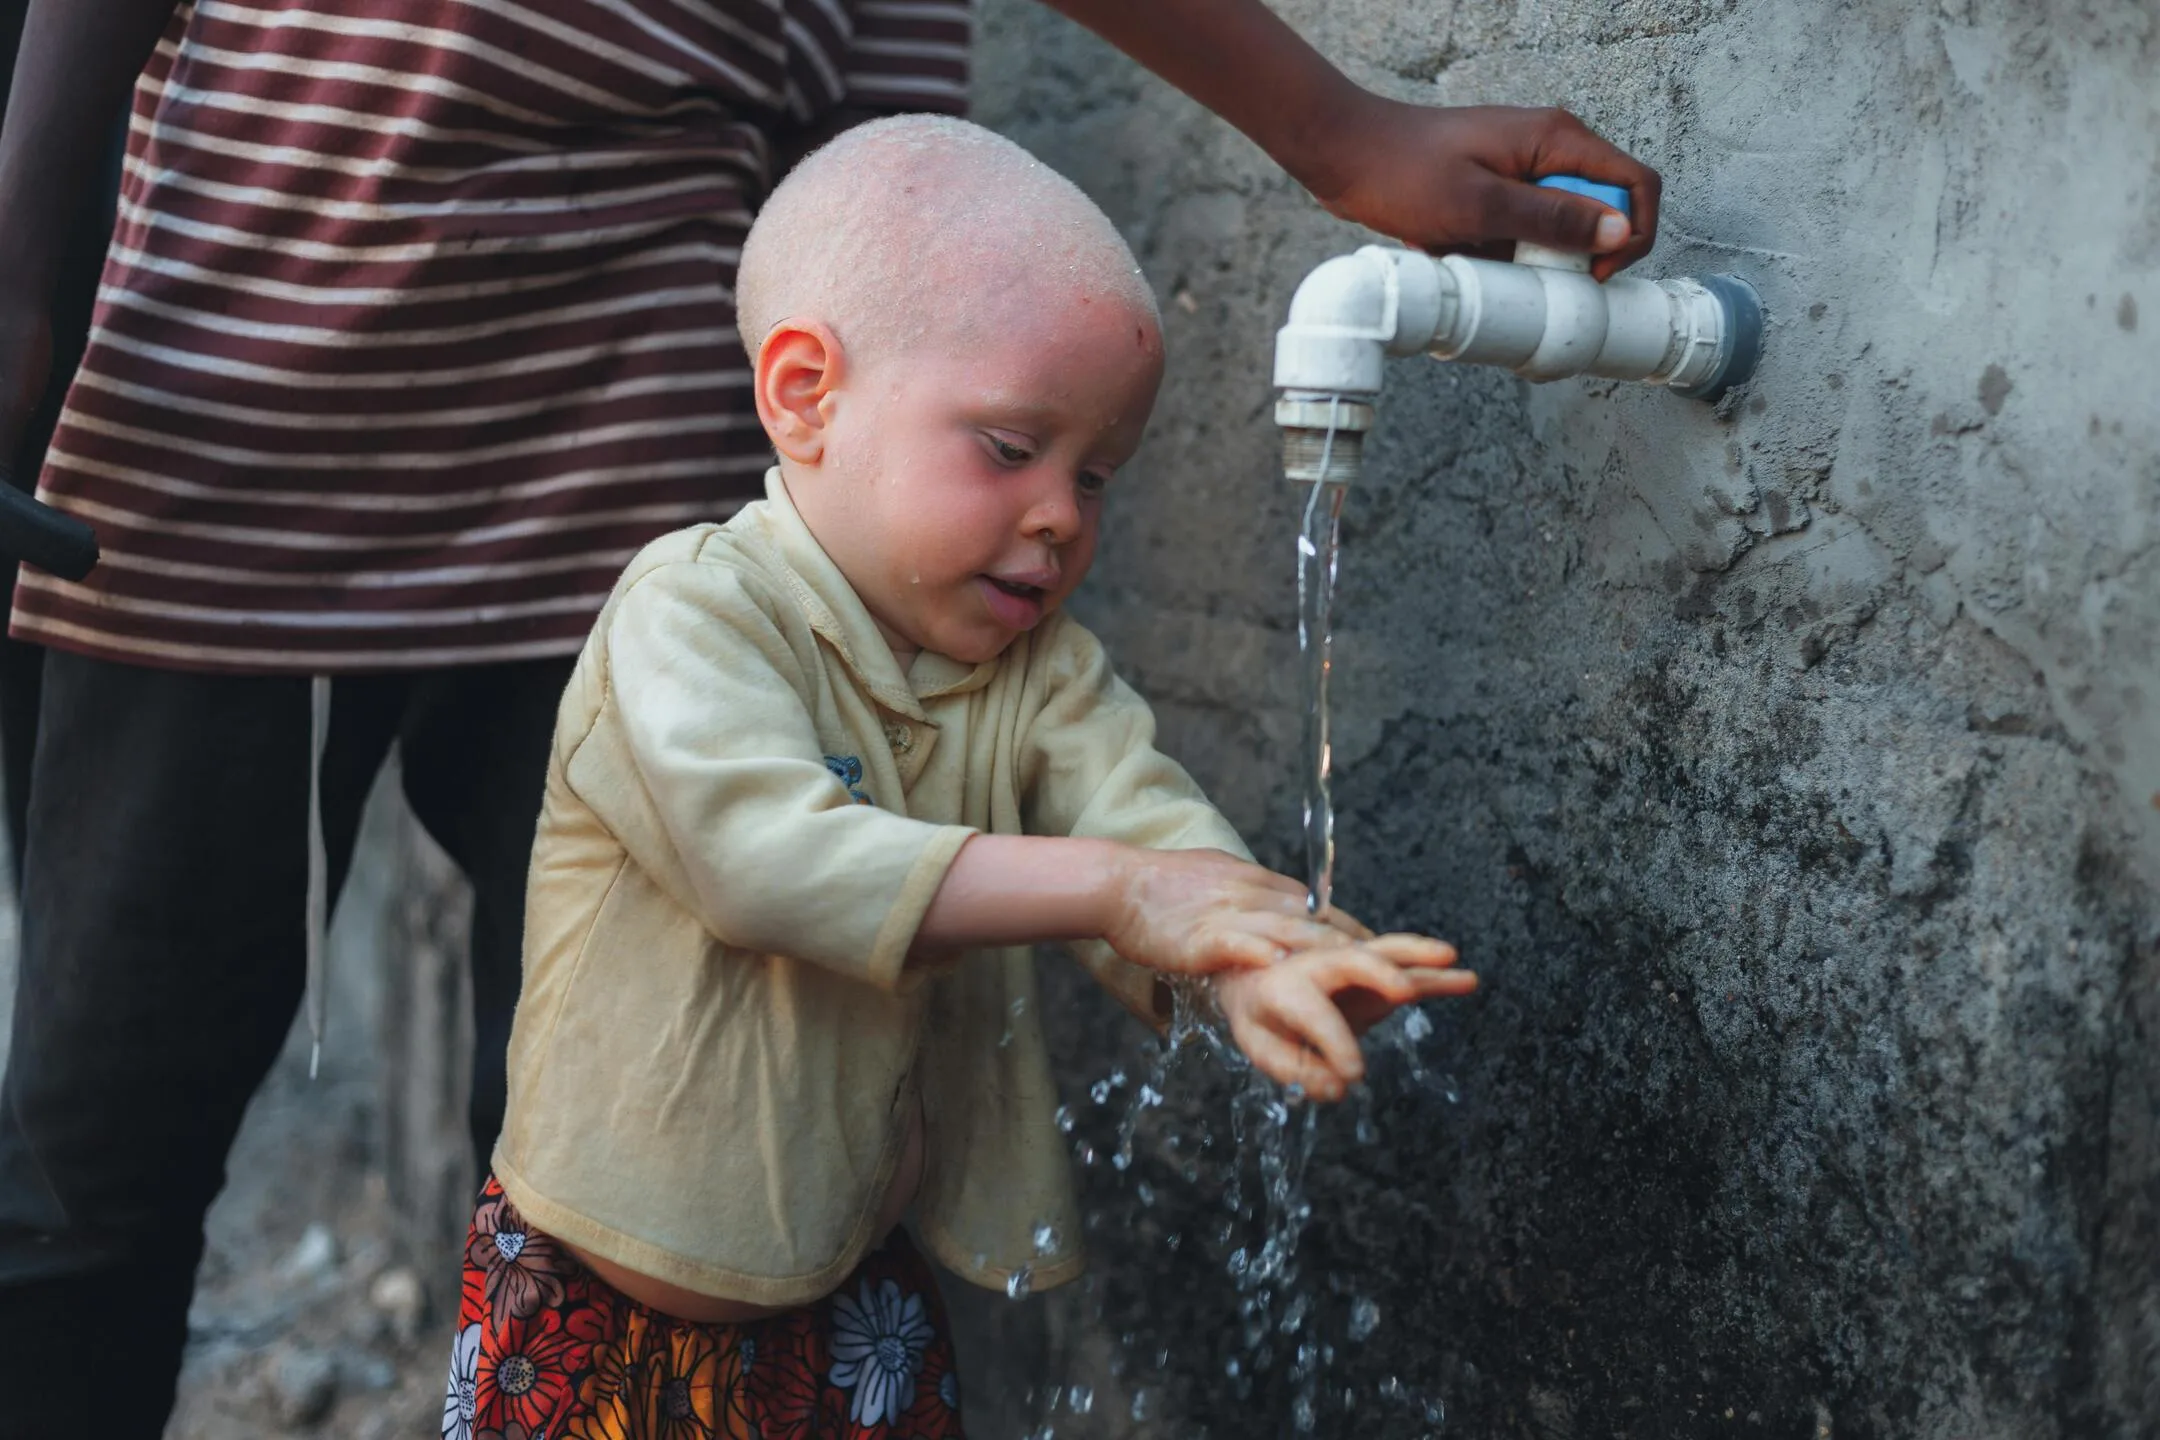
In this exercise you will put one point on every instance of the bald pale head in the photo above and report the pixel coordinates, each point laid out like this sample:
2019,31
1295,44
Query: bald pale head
923,228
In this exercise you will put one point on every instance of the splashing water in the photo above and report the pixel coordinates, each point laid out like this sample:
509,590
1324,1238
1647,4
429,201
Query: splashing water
1318,545
1292,1327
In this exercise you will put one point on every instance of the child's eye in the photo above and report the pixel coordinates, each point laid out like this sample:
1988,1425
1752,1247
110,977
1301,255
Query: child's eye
1093,482
1008,452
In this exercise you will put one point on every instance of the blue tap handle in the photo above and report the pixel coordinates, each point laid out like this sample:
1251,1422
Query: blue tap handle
1611,195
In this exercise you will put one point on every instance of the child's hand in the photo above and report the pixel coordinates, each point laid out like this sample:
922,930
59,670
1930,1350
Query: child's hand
1298,1020
1192,912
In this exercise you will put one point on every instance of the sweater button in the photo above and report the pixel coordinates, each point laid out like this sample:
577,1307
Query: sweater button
900,736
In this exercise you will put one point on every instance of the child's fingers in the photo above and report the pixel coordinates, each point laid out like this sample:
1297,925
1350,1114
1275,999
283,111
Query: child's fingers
1347,923
1286,1062
1417,950
1305,1013
1358,967
1430,984
1296,933
1236,947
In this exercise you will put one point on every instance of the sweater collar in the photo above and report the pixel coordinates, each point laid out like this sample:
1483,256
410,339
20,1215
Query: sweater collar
840,618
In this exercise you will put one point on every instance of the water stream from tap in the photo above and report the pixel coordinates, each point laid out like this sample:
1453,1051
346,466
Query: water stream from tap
1318,540
1291,1319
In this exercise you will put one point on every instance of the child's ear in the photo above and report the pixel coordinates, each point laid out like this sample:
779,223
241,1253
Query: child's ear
798,368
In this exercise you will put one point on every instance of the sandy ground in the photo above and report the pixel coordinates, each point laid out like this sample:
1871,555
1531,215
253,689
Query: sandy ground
307,1320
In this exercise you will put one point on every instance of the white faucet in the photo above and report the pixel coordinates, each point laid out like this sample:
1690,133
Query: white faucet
1542,317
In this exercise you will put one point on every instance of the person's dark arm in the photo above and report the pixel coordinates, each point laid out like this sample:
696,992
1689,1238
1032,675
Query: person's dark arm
77,60
1439,178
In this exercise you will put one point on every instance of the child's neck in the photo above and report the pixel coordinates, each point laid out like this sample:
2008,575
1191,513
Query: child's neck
903,653
903,650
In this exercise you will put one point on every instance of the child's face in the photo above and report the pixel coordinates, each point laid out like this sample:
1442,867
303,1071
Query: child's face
970,476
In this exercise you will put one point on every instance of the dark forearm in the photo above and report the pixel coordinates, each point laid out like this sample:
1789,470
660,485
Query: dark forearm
1439,178
72,74
1240,59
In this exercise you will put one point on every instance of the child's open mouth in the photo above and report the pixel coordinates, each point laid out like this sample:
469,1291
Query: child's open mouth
1014,604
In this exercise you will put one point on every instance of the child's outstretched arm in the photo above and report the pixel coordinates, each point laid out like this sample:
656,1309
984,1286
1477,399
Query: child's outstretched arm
1439,178
1298,1021
1188,912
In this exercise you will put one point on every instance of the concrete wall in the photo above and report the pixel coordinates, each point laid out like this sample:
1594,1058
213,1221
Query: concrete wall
1790,771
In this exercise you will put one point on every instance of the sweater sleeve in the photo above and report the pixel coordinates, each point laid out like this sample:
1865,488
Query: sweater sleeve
717,786
1090,768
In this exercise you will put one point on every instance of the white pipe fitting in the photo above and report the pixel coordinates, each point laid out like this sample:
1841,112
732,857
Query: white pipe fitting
1541,321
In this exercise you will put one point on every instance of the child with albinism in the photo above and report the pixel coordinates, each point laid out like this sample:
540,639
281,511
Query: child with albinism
821,776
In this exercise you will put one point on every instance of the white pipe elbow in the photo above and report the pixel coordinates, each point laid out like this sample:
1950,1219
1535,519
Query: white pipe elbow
1352,313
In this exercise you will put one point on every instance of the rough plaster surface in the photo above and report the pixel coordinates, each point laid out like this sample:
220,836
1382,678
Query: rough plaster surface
1790,771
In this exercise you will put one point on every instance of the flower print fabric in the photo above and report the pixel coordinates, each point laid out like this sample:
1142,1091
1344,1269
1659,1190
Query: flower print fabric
877,1346
545,1350
518,1269
461,1397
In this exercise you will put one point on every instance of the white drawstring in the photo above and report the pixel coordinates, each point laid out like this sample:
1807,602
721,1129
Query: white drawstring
318,866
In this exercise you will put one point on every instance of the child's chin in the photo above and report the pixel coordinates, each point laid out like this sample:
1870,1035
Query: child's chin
977,646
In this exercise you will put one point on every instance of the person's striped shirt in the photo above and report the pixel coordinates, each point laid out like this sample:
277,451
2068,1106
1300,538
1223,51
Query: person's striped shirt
417,321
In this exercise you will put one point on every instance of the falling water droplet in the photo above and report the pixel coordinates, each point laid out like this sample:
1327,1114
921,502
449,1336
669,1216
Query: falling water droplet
1146,1192
1301,1413
1294,1317
1046,1237
1080,1400
1019,1283
1416,1026
1065,1119
1364,1319
1231,1367
1140,1403
1099,1092
1087,1153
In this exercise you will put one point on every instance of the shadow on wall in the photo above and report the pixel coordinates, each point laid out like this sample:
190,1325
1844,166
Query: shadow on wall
1789,770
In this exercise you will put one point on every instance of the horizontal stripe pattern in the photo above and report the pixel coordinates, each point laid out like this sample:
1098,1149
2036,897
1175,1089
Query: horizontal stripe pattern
417,321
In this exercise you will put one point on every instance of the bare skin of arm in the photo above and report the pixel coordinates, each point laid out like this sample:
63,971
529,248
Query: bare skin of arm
78,60
1438,178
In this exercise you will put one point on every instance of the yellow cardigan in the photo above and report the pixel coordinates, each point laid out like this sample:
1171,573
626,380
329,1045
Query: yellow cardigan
748,810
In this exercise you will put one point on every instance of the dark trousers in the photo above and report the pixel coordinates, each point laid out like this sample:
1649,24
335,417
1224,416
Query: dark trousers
163,936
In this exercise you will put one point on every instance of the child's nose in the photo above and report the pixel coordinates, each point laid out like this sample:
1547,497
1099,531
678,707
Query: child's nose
1055,515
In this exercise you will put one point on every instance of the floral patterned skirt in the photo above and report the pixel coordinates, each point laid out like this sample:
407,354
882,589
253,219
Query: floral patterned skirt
546,1350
